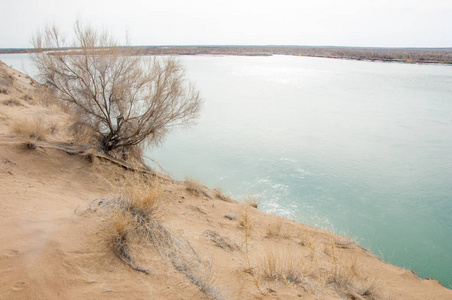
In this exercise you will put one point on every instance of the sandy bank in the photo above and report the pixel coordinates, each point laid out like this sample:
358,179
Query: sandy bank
57,232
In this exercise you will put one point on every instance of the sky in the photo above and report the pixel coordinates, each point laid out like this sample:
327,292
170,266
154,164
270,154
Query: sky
361,23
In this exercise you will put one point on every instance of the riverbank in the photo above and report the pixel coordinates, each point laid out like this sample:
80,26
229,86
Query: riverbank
58,229
402,55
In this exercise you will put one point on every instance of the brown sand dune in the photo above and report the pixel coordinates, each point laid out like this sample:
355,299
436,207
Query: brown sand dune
59,220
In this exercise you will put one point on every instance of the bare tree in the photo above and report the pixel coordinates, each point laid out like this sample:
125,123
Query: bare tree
125,98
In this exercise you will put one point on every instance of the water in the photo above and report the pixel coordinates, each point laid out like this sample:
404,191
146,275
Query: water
360,148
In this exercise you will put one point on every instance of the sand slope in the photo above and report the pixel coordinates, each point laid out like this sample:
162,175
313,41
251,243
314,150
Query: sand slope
54,245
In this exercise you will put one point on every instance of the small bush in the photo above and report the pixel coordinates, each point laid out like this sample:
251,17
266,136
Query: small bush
3,91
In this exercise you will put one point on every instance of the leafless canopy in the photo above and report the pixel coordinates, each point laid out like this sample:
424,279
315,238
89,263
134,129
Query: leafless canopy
125,98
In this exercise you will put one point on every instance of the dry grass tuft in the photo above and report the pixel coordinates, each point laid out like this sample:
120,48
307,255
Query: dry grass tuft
220,195
143,194
347,278
246,221
133,222
33,127
251,200
246,224
47,98
192,185
276,229
282,267
124,226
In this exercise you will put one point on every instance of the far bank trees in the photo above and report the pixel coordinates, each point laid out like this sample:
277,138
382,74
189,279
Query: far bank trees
126,99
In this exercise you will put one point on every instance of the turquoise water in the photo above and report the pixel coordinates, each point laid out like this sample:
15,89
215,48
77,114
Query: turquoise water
360,148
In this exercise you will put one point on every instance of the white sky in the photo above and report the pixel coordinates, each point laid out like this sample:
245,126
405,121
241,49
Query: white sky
378,23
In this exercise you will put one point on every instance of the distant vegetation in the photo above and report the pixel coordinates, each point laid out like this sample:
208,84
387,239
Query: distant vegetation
406,55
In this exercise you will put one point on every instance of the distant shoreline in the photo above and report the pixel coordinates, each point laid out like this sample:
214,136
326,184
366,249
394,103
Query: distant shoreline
401,55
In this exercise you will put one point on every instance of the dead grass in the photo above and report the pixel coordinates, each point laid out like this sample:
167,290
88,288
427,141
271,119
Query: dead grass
219,193
347,276
33,127
251,200
277,230
124,226
45,97
143,194
246,221
133,219
192,184
283,267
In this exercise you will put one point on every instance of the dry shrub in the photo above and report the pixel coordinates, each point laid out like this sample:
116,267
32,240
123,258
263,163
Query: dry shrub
143,194
192,184
134,219
122,223
125,226
284,267
33,127
219,193
276,229
126,98
252,200
175,249
348,278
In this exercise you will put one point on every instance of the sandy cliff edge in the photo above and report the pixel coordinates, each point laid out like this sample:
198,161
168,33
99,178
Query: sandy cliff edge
56,231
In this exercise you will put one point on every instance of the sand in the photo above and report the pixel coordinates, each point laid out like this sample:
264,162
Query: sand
56,241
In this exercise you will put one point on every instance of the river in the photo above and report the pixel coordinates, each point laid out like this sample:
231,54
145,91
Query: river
359,148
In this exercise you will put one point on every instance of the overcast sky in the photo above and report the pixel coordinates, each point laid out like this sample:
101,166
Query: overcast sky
378,23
